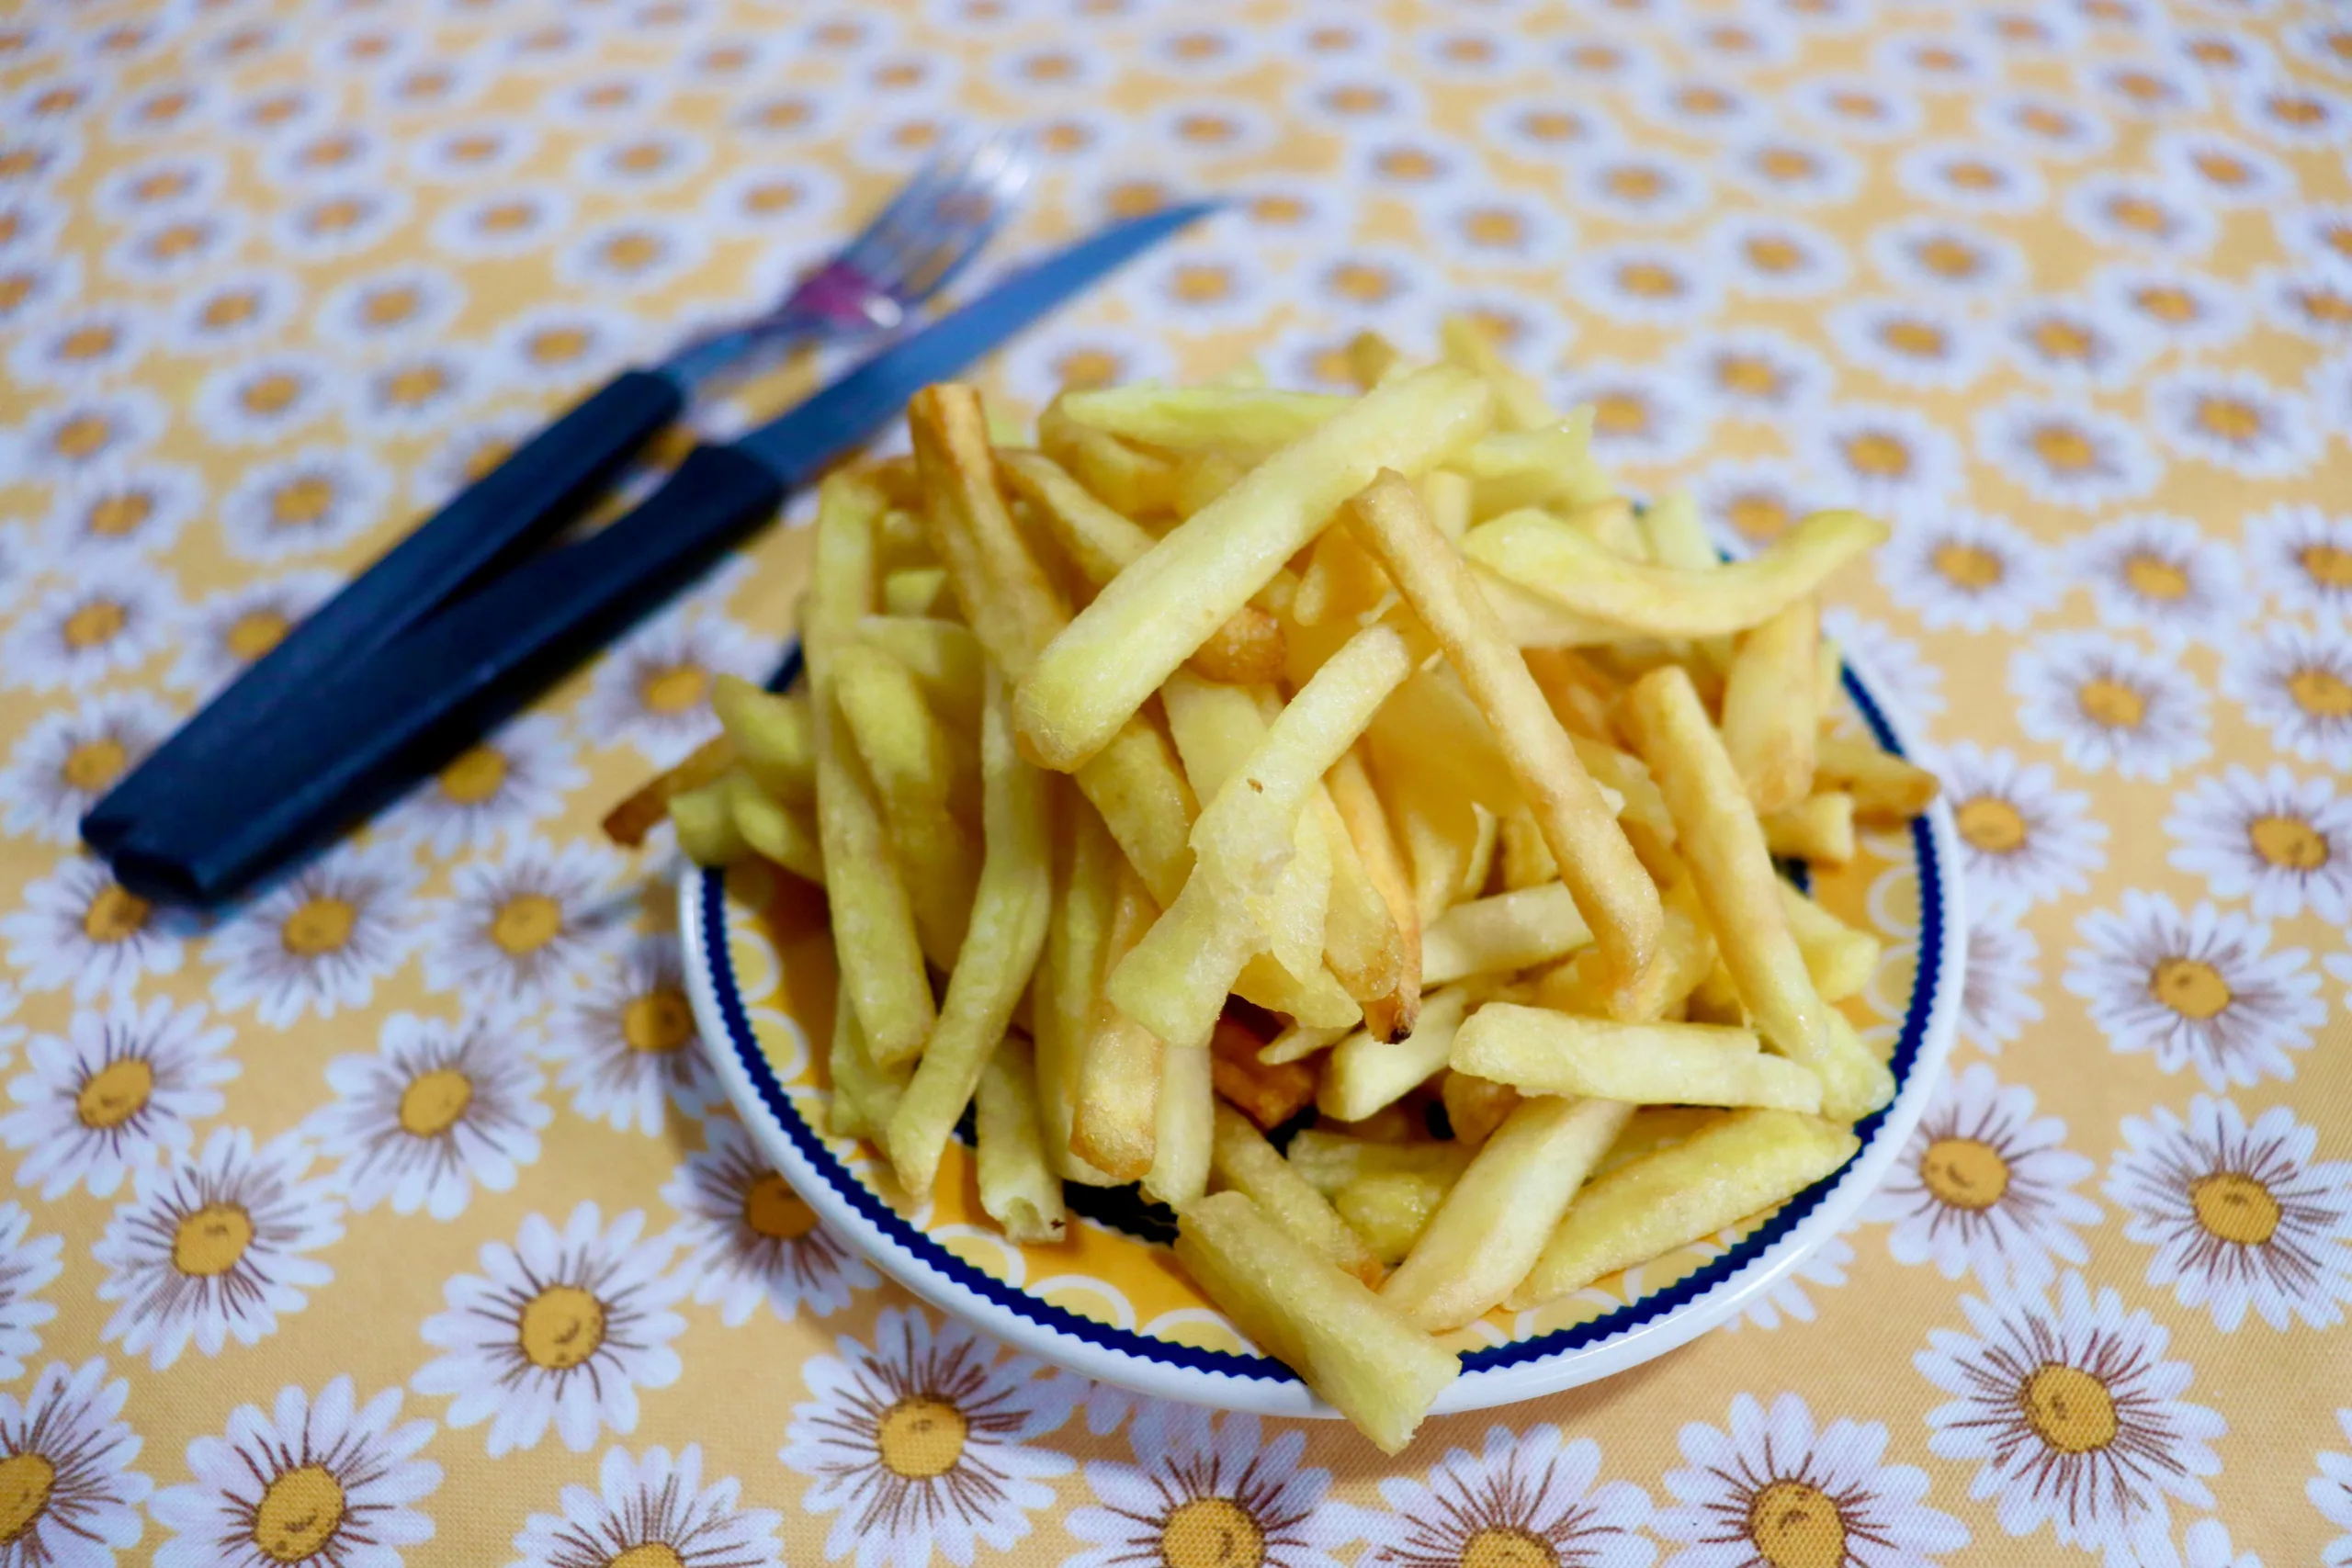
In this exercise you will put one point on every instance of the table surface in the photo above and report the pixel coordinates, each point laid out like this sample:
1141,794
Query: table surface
394,1217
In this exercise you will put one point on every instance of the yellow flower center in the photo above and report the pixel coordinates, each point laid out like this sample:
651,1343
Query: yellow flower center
475,775
1506,1546
1634,184
1493,226
2190,986
657,1022
2153,576
2062,340
1921,339
120,515
526,923
2321,693
2064,447
773,1210
2068,1408
1212,1532
94,765
209,1241
1275,207
1083,367
1972,567
2229,419
2139,215
93,625
301,502
268,394
1948,258
319,926
1775,257
1880,456
115,915
1964,1173
1200,283
2223,169
25,1480
87,342
648,1554
556,345
414,386
1795,1524
1406,164
1976,176
115,1093
300,1513
1363,284
2166,304
2110,703
1753,378
2234,1207
1784,164
1134,199
631,252
1991,824
674,690
2287,842
1759,517
2330,566
254,633
436,1101
1620,413
920,1438
561,1326
764,200
391,307
225,311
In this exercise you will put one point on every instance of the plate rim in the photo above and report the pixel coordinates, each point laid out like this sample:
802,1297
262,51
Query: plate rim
1526,1368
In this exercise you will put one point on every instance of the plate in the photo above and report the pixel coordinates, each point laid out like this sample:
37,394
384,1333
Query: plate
1111,1305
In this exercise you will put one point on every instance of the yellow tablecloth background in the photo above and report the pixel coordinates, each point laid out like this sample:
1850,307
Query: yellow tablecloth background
271,276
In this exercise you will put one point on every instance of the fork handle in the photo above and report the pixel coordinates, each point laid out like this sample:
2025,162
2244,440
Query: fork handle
542,485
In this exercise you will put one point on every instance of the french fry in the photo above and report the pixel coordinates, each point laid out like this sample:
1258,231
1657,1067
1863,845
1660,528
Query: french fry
1018,1190
1270,1093
1582,697
1139,484
704,818
1008,929
1297,1041
1830,676
1069,978
783,834
916,590
1551,468
1743,1162
1175,980
1353,796
1361,943
1240,1160
1584,985
1183,1142
1349,1344
1476,1106
1364,1074
1510,931
1115,1125
1537,1051
1388,1209
1653,1128
1533,622
1501,1211
1770,715
1840,959
1202,476
1733,872
1520,403
1330,1160
921,777
1446,496
1540,552
1523,858
1102,667
1819,828
775,736
1135,784
628,823
1253,421
1886,789
863,1095
1373,359
944,656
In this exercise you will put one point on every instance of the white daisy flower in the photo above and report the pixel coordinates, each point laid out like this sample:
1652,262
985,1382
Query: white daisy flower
1788,1299
1969,569
77,1503
1776,258
2306,304
27,1263
264,398
392,308
2130,212
2067,453
339,223
633,254
479,445
2330,1492
526,925
2162,574
2293,115
67,759
1937,61
211,1247
1750,371
415,394
652,158
1530,1498
1822,18
2225,55
1496,228
506,223
77,633
1652,284
2227,171
1203,129
1915,345
338,153
730,60
629,1044
2240,1217
656,1508
1897,667
118,1094
321,1481
1535,340
1860,108
173,247
2020,835
1322,38
1349,99
1791,171
1203,1491
2303,558
1461,54
79,925
437,1108
427,85
769,204
1748,41
1996,995
135,510
1698,105
278,112
1077,352
229,631
1970,176
2107,703
1635,186
1880,456
88,434
2145,89
1640,415
2317,234
2281,843
1606,59
1410,165
2028,32
84,349
1944,260
1772,1490
169,182
2074,1418
513,779
2199,989
546,45
926,1441
602,101
1204,289
34,284
1747,503
2235,419
240,311
318,500
318,941
1985,1187
2297,685
562,1327
787,118
652,689
752,1238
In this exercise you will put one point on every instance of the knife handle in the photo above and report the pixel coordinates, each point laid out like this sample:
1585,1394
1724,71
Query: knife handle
542,485
384,722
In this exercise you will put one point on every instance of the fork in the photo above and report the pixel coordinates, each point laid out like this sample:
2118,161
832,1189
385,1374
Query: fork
935,224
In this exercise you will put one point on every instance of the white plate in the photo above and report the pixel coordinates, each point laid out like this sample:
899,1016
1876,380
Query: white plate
1085,1311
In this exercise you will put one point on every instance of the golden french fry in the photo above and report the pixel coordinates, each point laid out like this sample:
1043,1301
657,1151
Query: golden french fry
1372,359
628,823
1353,796
1582,697
1829,675
1840,959
1297,1041
704,818
1501,1212
1361,943
1524,858
1363,1074
1330,1160
1139,484
1202,476
1240,1160
1475,1107
1537,1051
1018,1190
944,656
1520,403
1562,564
916,590
783,834
1653,1128
922,777
1115,1127
1742,1162
775,736
1347,1344
863,1095
1819,828
1886,789
1732,870
1768,711
1180,1147
1510,931
1062,994
1175,980
1390,1210
1551,468
1270,1093
1250,422
1093,676
1135,784
1446,496
1536,624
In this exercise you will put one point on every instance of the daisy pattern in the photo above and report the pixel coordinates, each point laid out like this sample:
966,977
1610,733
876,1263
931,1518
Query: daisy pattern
1632,186
652,689
1985,1187
394,307
657,1508
1200,288
213,1248
2173,305
1880,456
2020,834
2318,234
136,510
1762,374
266,399
562,1328
1697,105
524,925
2196,990
75,1504
1639,415
2283,844
238,311
2292,115
925,1442
1606,60
2306,304
1914,344
2075,1420
1536,1498
1970,176
2297,685
2227,171
1969,569
87,348
756,201
2240,1217
505,223
1857,108
1996,1000
1749,501
1202,1492
69,757
1793,172
2303,558
228,632
1896,666
1944,260
1776,258
2233,419
82,434
319,499
514,778
1077,352
2331,1492
632,254
2162,574
176,246
79,925
1773,1489
75,634
2067,453
1788,1299
318,941
2129,212
340,222
628,1043
324,1481
27,1263
752,1238
1652,284
2107,703
119,1093
2142,88
438,1109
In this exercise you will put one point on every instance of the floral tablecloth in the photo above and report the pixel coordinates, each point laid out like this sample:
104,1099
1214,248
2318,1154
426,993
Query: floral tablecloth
395,1218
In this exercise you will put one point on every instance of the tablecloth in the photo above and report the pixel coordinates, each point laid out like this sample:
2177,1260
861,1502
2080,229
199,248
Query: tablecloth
393,1216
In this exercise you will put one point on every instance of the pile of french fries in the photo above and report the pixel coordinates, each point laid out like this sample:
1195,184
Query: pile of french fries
1214,753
